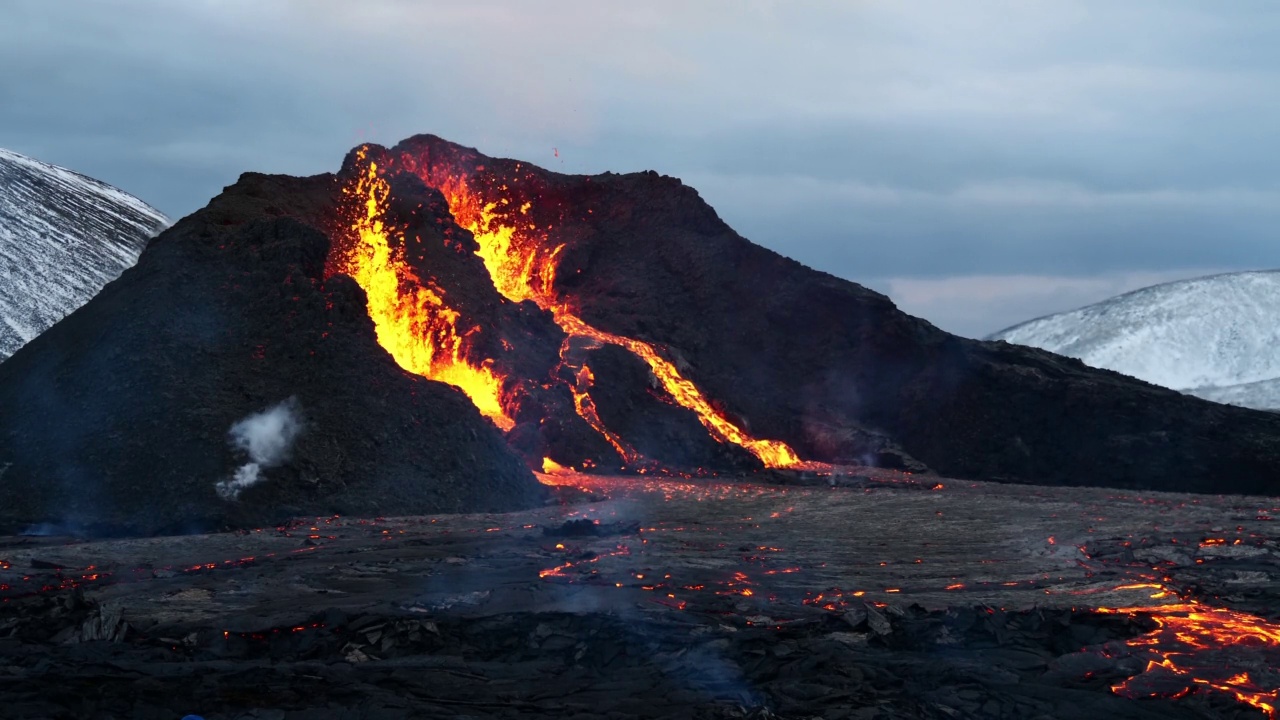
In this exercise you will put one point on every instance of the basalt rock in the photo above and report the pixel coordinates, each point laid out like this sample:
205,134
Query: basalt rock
631,404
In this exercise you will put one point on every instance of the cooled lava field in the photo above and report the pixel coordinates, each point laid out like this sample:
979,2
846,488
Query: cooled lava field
852,593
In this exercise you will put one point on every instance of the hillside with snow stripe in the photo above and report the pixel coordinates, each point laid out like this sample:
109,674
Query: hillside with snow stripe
1215,337
62,237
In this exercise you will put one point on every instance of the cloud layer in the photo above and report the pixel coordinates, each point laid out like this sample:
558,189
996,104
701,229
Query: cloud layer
919,140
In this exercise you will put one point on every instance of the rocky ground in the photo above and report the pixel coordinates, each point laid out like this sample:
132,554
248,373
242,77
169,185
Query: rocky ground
841,596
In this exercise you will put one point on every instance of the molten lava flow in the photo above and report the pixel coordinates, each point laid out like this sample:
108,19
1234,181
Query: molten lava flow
551,467
772,453
523,268
1188,629
413,321
586,409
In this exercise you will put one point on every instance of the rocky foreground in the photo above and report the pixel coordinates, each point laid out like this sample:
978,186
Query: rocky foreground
845,596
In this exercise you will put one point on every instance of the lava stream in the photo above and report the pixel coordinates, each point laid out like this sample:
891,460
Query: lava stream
1187,629
524,268
586,409
414,323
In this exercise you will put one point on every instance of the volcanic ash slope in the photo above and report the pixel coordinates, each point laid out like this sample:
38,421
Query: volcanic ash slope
1214,337
116,419
62,237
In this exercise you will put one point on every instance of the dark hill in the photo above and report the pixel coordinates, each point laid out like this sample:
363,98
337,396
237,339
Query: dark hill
116,419
824,363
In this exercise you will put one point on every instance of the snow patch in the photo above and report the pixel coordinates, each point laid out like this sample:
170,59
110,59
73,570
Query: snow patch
63,236
1214,337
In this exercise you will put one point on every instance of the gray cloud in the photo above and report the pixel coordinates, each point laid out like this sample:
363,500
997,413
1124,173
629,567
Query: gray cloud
883,142
978,305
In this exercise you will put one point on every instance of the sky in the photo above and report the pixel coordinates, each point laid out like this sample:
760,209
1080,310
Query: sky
981,162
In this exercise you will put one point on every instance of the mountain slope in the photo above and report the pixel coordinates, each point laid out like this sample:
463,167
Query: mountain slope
1214,337
62,237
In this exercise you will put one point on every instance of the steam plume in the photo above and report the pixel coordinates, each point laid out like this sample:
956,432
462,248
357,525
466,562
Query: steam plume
267,438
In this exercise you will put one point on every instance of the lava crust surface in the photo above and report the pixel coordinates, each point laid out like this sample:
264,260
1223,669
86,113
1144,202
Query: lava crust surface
871,595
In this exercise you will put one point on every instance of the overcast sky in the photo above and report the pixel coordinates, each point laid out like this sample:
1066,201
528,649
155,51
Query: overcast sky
982,162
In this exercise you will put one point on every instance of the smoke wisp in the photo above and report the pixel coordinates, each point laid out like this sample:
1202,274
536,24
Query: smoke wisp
267,438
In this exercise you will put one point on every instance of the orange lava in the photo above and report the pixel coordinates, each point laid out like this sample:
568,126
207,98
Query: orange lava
551,467
559,570
586,409
523,267
1188,629
414,322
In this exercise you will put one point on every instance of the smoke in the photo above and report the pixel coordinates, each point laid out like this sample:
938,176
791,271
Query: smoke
267,438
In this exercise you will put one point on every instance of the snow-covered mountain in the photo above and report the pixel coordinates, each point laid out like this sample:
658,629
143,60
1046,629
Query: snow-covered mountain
62,237
1216,337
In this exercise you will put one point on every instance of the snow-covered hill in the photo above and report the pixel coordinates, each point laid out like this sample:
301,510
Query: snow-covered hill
1216,337
62,237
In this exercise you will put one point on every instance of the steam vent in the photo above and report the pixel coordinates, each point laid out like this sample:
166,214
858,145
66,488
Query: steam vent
447,322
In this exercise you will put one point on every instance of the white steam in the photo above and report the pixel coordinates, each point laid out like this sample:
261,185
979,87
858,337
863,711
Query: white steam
267,438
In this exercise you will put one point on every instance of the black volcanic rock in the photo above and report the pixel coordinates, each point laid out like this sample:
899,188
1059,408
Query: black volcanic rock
789,350
632,404
116,419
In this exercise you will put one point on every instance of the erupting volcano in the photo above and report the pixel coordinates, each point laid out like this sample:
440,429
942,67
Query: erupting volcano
444,324
607,323
420,330
776,365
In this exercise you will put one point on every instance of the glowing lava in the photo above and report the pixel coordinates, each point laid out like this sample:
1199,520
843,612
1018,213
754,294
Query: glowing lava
586,409
414,322
523,267
1185,631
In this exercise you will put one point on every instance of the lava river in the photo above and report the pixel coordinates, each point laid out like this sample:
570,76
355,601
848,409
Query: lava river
417,325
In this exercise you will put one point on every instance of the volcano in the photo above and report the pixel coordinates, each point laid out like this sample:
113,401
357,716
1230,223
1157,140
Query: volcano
448,321
115,421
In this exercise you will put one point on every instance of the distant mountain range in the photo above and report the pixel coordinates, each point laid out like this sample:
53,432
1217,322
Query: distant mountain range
1215,337
62,237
